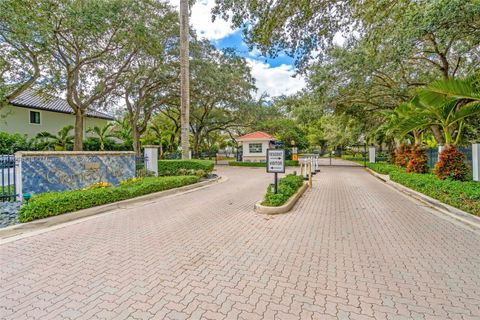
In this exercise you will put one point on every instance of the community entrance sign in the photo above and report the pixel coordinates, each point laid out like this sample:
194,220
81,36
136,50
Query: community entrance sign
276,163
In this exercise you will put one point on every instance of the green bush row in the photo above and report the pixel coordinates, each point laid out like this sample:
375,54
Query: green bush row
184,167
464,195
286,188
55,203
288,163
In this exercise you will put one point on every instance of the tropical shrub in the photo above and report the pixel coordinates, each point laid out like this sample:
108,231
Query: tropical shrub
451,165
418,160
286,188
184,167
55,203
11,143
402,155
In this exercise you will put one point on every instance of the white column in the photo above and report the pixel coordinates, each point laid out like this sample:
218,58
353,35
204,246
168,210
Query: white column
151,158
440,149
476,161
18,176
371,154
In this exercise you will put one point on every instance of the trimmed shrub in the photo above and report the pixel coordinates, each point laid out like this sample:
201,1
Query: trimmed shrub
382,168
464,195
402,155
55,203
11,143
287,186
451,165
184,167
418,160
288,163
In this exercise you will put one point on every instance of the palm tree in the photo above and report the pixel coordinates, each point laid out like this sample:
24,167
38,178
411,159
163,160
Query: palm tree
159,134
445,103
103,134
123,130
60,142
184,79
450,102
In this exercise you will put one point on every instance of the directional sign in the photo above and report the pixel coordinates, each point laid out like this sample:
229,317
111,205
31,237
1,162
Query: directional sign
275,160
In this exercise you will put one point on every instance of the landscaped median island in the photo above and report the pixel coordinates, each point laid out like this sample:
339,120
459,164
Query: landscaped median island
185,167
290,188
172,174
464,195
288,163
54,203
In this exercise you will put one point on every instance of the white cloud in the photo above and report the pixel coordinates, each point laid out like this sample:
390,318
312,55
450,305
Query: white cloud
201,20
275,81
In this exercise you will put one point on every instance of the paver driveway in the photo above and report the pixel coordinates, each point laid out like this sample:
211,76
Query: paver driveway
353,248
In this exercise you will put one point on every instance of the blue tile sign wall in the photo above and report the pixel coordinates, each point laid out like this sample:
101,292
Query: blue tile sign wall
61,171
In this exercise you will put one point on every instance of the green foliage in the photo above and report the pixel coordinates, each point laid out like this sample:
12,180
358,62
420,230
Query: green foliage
286,130
60,142
183,167
286,188
55,203
451,165
464,195
382,168
288,163
11,143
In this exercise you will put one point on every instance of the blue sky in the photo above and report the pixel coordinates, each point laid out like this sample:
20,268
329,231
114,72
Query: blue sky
273,76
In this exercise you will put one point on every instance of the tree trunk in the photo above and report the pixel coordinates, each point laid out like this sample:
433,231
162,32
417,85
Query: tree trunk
78,131
184,79
438,135
135,139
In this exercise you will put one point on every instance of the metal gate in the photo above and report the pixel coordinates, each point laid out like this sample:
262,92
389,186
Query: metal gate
351,156
8,177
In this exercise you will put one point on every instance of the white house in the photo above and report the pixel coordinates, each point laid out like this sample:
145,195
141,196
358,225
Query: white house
32,113
255,145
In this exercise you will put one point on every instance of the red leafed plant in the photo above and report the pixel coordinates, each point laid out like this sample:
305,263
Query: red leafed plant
451,165
418,160
402,154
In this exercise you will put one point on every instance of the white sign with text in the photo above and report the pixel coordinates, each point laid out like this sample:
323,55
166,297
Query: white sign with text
275,160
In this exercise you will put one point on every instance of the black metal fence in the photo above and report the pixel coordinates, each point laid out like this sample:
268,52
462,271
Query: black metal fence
8,178
432,154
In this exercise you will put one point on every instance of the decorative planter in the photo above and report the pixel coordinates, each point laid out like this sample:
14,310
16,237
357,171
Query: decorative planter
259,208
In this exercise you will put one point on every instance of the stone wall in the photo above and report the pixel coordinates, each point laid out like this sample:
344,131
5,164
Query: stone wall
41,171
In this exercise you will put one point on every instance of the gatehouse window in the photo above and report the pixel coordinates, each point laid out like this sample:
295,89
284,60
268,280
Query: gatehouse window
255,147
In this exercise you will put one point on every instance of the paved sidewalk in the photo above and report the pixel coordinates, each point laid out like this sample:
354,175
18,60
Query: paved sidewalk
351,249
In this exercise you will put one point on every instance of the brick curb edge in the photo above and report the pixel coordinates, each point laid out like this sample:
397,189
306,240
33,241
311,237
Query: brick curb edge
444,208
284,208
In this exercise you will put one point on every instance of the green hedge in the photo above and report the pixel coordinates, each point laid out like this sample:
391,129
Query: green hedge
286,188
288,163
184,167
55,203
464,195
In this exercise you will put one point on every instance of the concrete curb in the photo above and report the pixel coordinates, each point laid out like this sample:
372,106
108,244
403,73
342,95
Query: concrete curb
284,208
38,226
444,208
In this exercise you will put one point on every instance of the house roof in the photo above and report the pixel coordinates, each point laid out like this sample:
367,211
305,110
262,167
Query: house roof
32,99
257,135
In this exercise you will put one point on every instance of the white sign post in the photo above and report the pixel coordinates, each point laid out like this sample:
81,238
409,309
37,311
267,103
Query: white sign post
276,163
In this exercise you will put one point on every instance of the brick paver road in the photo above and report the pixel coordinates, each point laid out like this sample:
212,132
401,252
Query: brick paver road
352,249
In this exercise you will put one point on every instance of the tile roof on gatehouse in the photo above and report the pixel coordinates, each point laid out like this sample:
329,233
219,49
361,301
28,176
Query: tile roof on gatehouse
257,135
